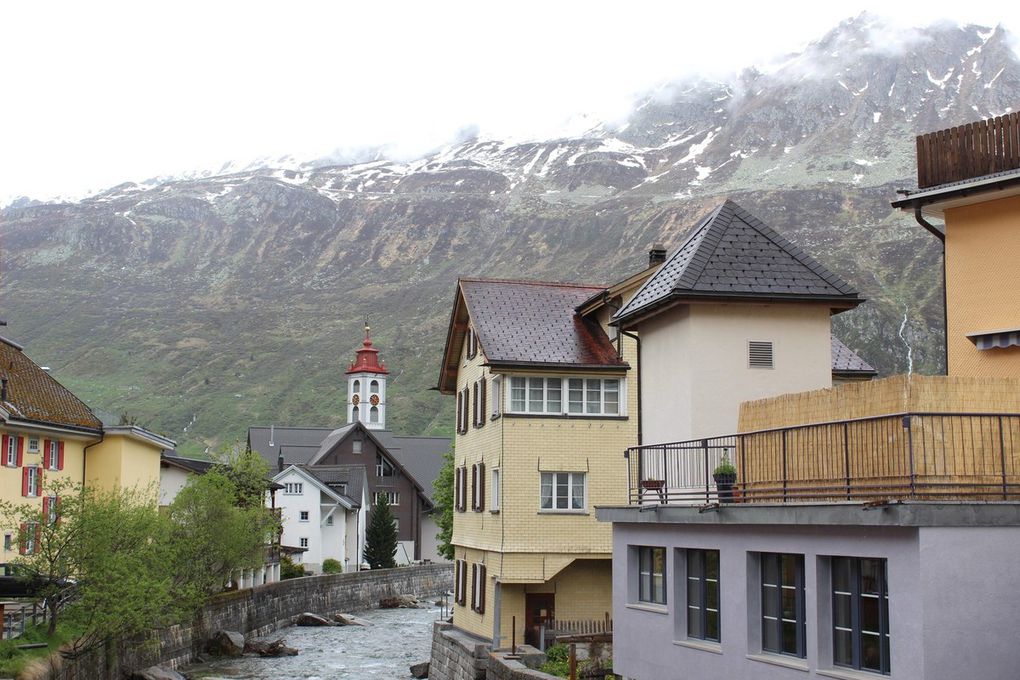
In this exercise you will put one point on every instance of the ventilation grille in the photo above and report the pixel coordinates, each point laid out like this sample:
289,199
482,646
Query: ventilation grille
759,354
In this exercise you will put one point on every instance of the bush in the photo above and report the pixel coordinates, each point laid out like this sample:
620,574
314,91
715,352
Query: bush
331,566
557,661
290,570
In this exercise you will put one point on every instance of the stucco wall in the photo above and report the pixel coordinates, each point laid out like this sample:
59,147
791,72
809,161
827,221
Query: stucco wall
258,611
982,286
948,618
122,462
701,357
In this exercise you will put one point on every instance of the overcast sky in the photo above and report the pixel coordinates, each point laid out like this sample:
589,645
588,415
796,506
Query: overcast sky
96,93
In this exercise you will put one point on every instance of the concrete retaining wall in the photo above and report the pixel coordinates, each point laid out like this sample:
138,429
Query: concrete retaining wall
257,611
458,655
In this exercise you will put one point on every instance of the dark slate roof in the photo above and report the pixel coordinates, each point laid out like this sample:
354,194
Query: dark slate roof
34,395
534,323
731,254
298,444
337,477
421,456
845,360
195,465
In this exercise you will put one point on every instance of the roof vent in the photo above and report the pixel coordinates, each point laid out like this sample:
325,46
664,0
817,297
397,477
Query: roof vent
759,354
657,255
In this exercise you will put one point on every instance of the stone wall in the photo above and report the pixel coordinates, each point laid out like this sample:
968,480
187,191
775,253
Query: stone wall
257,611
459,655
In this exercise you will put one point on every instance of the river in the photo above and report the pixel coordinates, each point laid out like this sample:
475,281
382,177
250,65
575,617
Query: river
396,640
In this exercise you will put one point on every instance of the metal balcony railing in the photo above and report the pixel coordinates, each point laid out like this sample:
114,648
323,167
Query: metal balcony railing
920,456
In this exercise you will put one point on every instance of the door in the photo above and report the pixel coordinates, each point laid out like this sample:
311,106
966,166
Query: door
539,610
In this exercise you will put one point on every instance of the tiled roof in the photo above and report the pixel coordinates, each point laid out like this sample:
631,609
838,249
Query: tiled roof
33,394
533,323
346,480
421,456
298,444
845,360
732,254
195,465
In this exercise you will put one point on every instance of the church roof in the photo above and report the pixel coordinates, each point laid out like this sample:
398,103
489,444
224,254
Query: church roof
367,359
732,255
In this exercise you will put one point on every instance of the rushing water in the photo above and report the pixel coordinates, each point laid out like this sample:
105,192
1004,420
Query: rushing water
397,639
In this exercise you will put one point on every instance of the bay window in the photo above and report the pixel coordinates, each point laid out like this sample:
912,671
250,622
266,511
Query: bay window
566,396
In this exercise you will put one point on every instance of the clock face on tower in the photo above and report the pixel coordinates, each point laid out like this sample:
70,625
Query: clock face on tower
356,399
374,400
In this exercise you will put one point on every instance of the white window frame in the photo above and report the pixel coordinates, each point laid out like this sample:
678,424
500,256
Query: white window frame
51,507
33,490
293,488
494,491
303,516
11,455
53,455
526,406
497,395
392,497
33,445
554,498
303,542
358,445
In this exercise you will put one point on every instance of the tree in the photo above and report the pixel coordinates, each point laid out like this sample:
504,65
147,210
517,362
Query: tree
442,499
381,536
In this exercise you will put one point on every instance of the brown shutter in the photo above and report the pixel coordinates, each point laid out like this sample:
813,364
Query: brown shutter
474,586
60,455
483,415
474,404
482,583
481,486
460,411
458,484
21,450
456,581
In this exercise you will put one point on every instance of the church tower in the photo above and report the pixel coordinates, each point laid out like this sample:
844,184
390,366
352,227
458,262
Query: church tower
366,387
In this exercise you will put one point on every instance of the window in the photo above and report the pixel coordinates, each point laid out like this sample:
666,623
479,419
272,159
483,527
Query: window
31,481
29,538
373,387
303,542
12,447
472,343
357,444
562,491
33,445
303,516
373,414
497,395
392,497
494,501
759,354
860,614
593,396
460,488
703,594
652,575
460,582
329,521
478,404
355,414
478,487
50,507
54,455
782,604
536,395
293,488
478,588
356,388
463,406
396,524
383,467
7,541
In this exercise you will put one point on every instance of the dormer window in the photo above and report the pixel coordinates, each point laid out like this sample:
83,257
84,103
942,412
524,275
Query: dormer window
472,343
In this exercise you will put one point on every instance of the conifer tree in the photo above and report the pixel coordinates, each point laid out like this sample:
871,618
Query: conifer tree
381,536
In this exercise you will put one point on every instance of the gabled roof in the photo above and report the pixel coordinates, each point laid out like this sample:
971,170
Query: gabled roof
526,324
345,480
316,483
732,255
422,456
298,444
847,362
33,395
193,465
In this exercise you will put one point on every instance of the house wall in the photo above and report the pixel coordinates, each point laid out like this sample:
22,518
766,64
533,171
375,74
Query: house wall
703,352
171,481
982,286
944,622
11,477
521,544
430,540
324,541
121,462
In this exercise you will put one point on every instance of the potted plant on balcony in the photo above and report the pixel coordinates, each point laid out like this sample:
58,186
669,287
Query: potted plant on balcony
725,476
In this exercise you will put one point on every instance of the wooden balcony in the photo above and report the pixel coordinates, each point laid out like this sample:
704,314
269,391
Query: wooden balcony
969,151
903,456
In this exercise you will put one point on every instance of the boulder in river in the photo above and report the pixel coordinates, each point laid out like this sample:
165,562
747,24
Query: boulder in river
310,619
275,648
400,602
420,670
225,643
350,620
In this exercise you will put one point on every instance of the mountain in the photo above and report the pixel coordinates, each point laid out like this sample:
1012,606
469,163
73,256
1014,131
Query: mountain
205,305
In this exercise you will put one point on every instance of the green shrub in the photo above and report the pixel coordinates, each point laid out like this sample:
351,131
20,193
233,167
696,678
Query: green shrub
557,661
331,566
290,570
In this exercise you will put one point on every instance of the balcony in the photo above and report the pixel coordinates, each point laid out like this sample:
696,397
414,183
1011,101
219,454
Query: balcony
969,151
903,456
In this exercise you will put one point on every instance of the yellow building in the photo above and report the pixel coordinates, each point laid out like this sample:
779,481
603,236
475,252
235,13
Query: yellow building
49,437
966,179
547,401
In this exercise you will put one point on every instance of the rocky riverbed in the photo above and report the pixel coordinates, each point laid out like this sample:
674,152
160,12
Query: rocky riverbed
396,639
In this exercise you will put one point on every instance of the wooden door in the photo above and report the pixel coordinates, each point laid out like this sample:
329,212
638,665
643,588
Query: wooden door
539,610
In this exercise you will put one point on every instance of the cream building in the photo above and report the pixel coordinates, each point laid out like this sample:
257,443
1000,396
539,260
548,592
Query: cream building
546,404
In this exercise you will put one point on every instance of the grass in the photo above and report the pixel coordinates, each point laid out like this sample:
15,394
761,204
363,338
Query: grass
14,660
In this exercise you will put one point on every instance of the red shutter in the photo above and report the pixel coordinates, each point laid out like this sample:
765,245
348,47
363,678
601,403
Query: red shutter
21,450
38,536
60,455
56,505
45,453
4,443
46,508
38,481
23,539
24,482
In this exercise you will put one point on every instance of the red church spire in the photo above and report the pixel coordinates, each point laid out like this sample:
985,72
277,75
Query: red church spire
367,359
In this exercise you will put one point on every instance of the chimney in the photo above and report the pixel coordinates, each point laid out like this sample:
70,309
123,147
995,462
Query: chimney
657,255
279,461
3,389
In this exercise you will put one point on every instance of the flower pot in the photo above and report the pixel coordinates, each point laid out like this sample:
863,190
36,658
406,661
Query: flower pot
724,483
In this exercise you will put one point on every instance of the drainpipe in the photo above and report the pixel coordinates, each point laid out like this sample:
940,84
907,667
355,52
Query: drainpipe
941,236
85,458
637,339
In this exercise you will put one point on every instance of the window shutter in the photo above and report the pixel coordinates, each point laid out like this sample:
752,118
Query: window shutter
474,404
38,535
60,455
56,505
21,450
456,580
46,508
38,480
5,441
481,486
456,488
481,595
24,482
460,410
23,539
45,453
482,413
474,586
